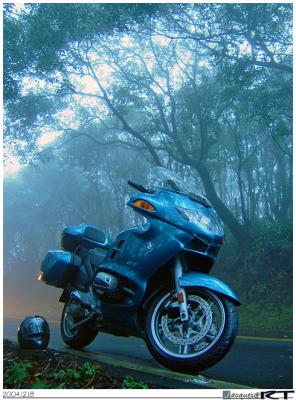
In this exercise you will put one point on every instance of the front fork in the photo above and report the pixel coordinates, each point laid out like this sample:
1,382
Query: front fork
181,294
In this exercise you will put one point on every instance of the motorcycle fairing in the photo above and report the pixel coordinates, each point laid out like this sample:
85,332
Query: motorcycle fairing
135,256
198,279
162,201
138,253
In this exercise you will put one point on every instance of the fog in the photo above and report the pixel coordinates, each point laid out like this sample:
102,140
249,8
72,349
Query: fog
203,90
40,201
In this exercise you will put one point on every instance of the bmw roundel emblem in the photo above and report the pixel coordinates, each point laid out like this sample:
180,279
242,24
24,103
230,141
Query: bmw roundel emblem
149,246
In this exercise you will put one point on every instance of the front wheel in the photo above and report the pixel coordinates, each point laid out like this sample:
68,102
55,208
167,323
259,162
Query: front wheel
75,337
198,344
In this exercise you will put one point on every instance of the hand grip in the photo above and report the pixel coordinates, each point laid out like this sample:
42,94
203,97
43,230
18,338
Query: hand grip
139,187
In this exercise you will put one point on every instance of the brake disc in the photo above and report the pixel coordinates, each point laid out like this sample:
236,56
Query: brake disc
172,330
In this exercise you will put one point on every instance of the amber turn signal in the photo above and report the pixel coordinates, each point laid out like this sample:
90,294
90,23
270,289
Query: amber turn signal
144,205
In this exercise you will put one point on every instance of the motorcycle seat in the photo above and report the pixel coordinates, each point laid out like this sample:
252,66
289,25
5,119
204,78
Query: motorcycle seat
86,236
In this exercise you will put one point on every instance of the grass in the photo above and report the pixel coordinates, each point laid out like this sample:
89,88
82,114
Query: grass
39,369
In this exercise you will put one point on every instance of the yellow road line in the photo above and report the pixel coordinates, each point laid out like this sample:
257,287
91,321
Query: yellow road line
287,340
265,338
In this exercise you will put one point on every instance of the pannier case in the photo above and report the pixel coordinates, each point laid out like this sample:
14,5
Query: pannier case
59,268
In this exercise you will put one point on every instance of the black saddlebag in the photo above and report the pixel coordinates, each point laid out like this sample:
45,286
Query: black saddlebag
59,268
86,236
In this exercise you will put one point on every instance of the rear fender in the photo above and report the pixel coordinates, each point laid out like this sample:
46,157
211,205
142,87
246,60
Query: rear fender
200,280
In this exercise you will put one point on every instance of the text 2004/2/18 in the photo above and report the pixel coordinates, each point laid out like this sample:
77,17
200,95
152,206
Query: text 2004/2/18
18,394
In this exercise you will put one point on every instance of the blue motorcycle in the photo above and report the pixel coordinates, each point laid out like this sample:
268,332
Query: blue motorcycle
152,282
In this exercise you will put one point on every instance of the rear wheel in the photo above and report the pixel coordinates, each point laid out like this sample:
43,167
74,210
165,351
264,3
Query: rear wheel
75,337
198,344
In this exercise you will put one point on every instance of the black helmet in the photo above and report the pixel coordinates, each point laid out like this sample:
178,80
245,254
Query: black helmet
33,333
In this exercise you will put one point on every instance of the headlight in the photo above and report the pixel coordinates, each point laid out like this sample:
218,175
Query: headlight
199,218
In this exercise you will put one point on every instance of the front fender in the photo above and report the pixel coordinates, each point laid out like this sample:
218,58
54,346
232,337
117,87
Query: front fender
197,279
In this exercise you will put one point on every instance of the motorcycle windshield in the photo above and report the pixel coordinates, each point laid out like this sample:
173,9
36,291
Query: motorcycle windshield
160,177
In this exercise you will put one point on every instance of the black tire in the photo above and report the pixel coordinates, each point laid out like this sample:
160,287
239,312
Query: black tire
76,338
162,337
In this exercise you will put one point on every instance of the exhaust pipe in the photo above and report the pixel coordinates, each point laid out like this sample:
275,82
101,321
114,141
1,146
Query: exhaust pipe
78,312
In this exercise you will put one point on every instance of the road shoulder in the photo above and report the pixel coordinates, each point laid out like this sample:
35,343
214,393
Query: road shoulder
119,367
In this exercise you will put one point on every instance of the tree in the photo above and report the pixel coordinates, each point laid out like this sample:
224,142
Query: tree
35,39
202,89
178,88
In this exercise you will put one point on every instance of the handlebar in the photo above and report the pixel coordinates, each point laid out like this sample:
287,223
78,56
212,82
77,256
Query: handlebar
139,187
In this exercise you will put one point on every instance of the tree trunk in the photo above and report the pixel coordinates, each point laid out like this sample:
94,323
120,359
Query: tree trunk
240,232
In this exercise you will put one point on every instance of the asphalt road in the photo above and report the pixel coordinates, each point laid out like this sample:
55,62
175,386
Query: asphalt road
257,363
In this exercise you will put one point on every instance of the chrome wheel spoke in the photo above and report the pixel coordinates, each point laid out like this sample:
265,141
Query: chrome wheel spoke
199,322
210,336
183,349
205,326
210,303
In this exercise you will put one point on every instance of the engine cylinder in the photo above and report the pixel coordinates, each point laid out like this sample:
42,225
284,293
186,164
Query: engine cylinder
107,287
103,280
